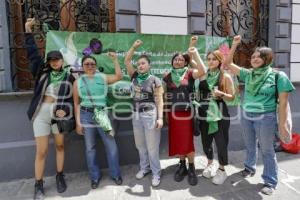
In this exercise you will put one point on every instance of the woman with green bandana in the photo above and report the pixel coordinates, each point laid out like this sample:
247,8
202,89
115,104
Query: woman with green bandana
52,101
179,91
214,88
147,118
263,86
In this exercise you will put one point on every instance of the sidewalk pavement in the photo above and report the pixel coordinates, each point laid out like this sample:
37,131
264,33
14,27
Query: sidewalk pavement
235,186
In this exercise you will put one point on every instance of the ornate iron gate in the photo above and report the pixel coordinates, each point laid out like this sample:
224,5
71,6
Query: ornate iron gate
248,18
71,15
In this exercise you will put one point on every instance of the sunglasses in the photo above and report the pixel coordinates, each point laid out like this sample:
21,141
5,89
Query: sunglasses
89,64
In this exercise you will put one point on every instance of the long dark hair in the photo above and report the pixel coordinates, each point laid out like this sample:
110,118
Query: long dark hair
185,56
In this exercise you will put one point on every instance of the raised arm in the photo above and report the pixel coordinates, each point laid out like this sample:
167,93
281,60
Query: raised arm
229,59
197,63
128,57
118,73
36,61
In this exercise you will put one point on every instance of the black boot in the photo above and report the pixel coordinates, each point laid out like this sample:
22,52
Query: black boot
192,178
39,189
60,182
181,171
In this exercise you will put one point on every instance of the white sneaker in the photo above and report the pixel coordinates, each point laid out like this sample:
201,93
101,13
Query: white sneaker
209,171
220,177
267,190
141,174
155,181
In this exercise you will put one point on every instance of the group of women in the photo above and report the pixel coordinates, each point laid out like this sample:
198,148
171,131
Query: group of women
215,87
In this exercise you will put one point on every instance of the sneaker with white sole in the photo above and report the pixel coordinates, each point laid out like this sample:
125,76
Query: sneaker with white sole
155,181
220,177
209,171
142,173
267,190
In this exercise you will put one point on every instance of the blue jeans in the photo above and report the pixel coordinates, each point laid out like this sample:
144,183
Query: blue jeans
147,140
91,129
261,127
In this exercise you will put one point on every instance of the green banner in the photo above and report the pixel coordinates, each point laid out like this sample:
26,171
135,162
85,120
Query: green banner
159,48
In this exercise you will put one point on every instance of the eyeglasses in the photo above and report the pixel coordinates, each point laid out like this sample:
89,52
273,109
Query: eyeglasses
89,64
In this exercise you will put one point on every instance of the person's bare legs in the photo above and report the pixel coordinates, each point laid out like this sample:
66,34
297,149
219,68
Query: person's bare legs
60,160
60,151
40,156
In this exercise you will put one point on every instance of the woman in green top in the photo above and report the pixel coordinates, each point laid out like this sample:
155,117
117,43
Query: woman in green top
90,92
263,86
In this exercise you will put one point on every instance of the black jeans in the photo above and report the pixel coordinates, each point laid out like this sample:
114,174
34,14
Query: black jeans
221,138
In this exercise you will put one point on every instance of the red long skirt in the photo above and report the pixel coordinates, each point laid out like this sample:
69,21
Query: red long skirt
181,137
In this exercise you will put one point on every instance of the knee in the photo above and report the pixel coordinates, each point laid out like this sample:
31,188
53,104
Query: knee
153,151
270,152
60,147
41,154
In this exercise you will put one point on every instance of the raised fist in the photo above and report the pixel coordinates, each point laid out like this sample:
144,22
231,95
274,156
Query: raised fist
137,44
112,55
30,22
236,40
193,41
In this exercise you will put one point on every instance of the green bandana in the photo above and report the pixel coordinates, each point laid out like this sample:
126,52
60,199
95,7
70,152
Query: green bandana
178,75
212,78
213,113
142,77
257,78
57,76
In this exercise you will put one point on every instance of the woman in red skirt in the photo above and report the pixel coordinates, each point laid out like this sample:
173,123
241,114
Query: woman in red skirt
179,89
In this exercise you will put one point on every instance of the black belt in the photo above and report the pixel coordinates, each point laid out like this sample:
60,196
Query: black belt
90,109
87,109
143,109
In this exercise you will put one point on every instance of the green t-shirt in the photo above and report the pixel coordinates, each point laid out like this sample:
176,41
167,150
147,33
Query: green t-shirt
264,100
98,90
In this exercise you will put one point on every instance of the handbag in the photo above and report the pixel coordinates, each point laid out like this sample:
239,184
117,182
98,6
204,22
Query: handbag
100,114
65,125
294,146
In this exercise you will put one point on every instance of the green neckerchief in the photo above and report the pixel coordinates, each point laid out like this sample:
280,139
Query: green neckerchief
257,78
57,76
212,78
213,115
142,77
178,75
